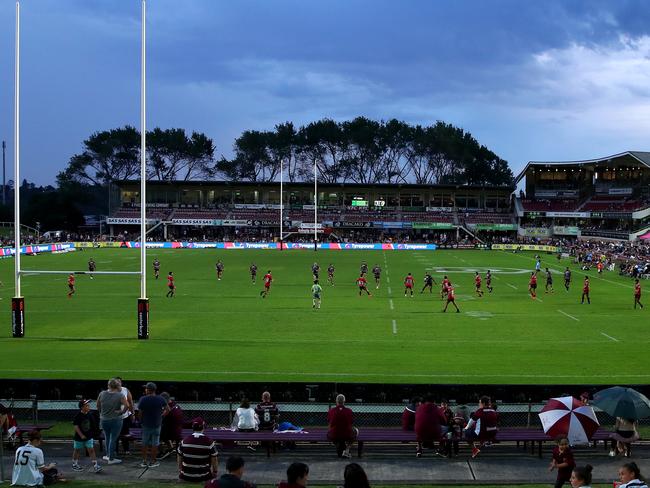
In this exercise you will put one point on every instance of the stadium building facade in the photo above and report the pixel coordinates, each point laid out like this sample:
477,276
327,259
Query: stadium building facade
607,197
197,208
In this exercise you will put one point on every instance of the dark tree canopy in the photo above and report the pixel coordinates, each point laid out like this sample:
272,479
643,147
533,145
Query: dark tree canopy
366,151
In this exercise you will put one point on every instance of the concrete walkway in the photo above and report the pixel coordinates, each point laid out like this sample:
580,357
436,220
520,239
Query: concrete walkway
496,465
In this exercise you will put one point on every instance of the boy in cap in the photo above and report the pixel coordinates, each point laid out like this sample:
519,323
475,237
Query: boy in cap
84,427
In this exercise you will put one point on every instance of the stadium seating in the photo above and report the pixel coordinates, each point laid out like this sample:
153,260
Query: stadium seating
549,205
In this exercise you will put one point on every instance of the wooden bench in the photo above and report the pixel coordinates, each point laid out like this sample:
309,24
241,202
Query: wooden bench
268,439
24,429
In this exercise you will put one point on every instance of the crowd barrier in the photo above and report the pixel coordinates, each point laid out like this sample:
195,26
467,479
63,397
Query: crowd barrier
71,246
336,246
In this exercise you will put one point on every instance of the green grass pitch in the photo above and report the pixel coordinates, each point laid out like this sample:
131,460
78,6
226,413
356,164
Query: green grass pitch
224,331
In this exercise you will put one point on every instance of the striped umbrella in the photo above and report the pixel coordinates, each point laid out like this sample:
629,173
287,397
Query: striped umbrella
568,417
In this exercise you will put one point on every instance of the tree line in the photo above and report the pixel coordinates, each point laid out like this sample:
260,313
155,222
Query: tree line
355,151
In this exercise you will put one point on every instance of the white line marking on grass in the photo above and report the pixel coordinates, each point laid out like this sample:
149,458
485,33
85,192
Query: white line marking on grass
570,316
390,292
387,279
432,374
610,337
391,304
539,300
394,326
511,286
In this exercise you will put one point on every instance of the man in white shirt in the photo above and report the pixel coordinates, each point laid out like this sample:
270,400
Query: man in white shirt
29,465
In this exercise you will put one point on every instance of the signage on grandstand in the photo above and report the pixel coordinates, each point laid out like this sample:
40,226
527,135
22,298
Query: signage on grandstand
535,231
196,222
253,206
310,226
433,225
496,227
620,191
576,215
263,223
440,209
128,220
524,247
565,230
235,223
352,224
358,202
380,203
545,193
391,225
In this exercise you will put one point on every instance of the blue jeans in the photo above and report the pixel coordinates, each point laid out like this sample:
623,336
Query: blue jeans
111,430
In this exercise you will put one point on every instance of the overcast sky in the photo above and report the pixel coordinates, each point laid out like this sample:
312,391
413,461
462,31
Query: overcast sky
532,80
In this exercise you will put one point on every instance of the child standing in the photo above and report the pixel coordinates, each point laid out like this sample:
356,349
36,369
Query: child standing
84,426
562,461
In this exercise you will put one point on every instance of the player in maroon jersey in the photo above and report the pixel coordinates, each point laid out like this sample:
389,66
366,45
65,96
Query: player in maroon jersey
408,284
532,285
445,285
253,272
451,298
637,293
488,281
71,288
477,284
171,285
585,291
362,283
268,279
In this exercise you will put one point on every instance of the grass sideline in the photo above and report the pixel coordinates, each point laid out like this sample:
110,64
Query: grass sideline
223,331
166,484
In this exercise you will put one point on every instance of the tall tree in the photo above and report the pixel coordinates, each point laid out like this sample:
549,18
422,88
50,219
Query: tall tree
174,156
107,156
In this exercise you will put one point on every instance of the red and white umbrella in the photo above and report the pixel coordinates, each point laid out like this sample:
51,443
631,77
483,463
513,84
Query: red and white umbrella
567,416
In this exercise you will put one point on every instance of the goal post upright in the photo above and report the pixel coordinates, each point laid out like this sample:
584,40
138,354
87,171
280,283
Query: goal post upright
143,301
18,301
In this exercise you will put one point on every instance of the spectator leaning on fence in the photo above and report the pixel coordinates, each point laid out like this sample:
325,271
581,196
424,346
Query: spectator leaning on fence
197,455
341,430
233,477
297,476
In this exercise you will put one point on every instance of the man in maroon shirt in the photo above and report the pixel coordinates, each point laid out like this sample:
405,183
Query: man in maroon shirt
482,425
341,431
197,455
408,415
428,419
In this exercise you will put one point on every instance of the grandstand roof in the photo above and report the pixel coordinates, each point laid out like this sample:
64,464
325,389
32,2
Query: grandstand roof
624,158
310,184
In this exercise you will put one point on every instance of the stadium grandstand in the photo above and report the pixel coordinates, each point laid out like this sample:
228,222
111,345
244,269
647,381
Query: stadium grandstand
597,198
251,209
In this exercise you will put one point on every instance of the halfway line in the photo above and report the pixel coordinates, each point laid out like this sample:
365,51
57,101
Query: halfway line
394,326
390,292
391,304
570,316
610,337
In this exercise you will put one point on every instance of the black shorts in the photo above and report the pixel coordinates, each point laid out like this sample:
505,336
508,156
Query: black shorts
533,287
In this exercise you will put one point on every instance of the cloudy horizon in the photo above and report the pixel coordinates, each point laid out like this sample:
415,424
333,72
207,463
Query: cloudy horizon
553,80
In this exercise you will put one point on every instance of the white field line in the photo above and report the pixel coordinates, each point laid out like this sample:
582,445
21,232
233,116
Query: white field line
433,374
390,292
394,326
390,301
610,337
511,286
570,316
539,300
387,277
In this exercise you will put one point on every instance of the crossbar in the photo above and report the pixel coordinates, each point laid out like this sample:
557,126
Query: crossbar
43,271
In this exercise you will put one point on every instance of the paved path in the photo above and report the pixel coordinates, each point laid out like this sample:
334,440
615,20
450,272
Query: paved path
497,465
